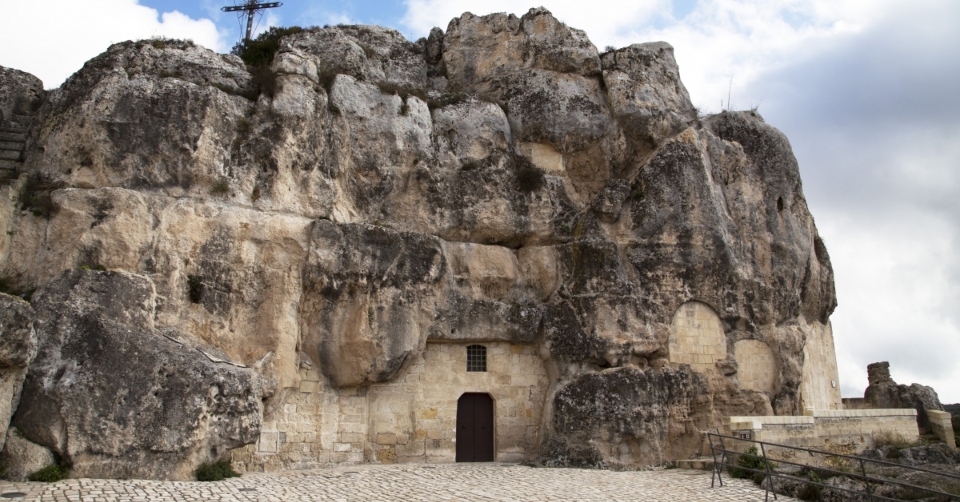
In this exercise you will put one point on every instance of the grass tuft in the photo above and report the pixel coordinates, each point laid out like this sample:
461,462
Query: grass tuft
49,474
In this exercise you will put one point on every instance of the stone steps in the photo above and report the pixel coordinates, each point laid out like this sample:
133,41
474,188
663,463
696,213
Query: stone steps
11,134
13,140
10,154
11,145
10,164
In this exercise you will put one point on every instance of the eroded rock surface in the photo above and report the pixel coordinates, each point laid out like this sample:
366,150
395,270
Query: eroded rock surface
884,392
114,398
500,182
18,346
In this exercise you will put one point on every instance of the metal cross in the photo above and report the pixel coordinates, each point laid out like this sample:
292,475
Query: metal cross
251,8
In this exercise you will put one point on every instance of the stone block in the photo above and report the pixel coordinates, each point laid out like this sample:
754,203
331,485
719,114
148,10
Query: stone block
268,442
309,387
387,439
941,424
387,456
427,413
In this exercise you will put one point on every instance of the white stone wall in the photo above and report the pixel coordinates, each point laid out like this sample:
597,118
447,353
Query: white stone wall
756,365
838,431
696,337
820,387
411,419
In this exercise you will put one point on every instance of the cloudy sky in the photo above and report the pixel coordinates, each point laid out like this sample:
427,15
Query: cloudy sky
868,91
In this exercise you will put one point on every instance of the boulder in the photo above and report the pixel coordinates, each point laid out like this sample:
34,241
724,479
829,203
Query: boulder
21,97
21,457
645,92
114,398
18,346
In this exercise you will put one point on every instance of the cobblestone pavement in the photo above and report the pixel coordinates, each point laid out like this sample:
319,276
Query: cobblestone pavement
447,482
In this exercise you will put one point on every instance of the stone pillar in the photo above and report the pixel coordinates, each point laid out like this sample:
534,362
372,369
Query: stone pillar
941,424
878,373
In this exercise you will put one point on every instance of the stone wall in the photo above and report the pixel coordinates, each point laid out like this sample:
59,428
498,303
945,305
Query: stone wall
696,337
837,431
820,388
941,424
757,365
410,419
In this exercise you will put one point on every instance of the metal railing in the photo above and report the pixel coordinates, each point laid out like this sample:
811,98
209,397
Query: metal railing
857,468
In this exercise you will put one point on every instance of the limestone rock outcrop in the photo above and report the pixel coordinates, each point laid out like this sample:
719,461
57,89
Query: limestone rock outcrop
346,226
18,347
884,392
115,398
21,457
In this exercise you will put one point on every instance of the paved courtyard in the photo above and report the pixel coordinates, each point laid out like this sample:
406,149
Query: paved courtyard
447,482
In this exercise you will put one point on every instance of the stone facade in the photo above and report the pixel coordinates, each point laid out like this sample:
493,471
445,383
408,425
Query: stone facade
757,366
941,424
837,431
410,419
820,387
696,337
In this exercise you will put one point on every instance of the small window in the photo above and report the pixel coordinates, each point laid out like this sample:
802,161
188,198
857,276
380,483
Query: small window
476,358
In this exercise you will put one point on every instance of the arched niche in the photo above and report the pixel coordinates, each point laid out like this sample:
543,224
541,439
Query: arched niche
757,367
696,337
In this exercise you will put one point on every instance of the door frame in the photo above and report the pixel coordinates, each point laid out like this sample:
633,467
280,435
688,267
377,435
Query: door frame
493,413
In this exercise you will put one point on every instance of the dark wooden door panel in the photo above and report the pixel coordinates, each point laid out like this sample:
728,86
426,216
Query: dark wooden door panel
475,428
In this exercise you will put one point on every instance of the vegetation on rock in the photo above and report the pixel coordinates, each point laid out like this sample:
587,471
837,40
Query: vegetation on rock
50,474
215,471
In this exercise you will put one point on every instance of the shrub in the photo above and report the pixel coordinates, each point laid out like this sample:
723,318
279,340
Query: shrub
809,492
49,474
255,196
220,187
264,79
747,464
216,471
260,50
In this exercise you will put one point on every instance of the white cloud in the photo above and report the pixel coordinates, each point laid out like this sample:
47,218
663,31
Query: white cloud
54,41
598,18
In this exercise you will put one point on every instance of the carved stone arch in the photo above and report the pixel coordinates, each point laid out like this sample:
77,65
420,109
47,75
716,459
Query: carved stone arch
697,337
757,366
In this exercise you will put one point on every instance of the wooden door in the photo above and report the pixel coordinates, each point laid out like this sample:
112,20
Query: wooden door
475,428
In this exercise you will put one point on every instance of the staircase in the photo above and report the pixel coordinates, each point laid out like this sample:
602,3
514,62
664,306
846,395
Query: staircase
13,139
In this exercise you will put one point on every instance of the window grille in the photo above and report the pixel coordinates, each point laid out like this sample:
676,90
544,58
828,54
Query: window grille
476,358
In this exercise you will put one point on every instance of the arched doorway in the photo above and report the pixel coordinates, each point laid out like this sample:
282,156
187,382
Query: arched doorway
475,428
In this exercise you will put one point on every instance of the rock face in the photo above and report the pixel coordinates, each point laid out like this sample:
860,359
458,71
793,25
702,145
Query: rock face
354,224
884,392
114,398
18,346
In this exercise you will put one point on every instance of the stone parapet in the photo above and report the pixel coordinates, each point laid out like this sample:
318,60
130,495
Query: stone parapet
838,431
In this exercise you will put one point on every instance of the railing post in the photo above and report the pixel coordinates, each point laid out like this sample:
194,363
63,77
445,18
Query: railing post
766,464
863,471
716,461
